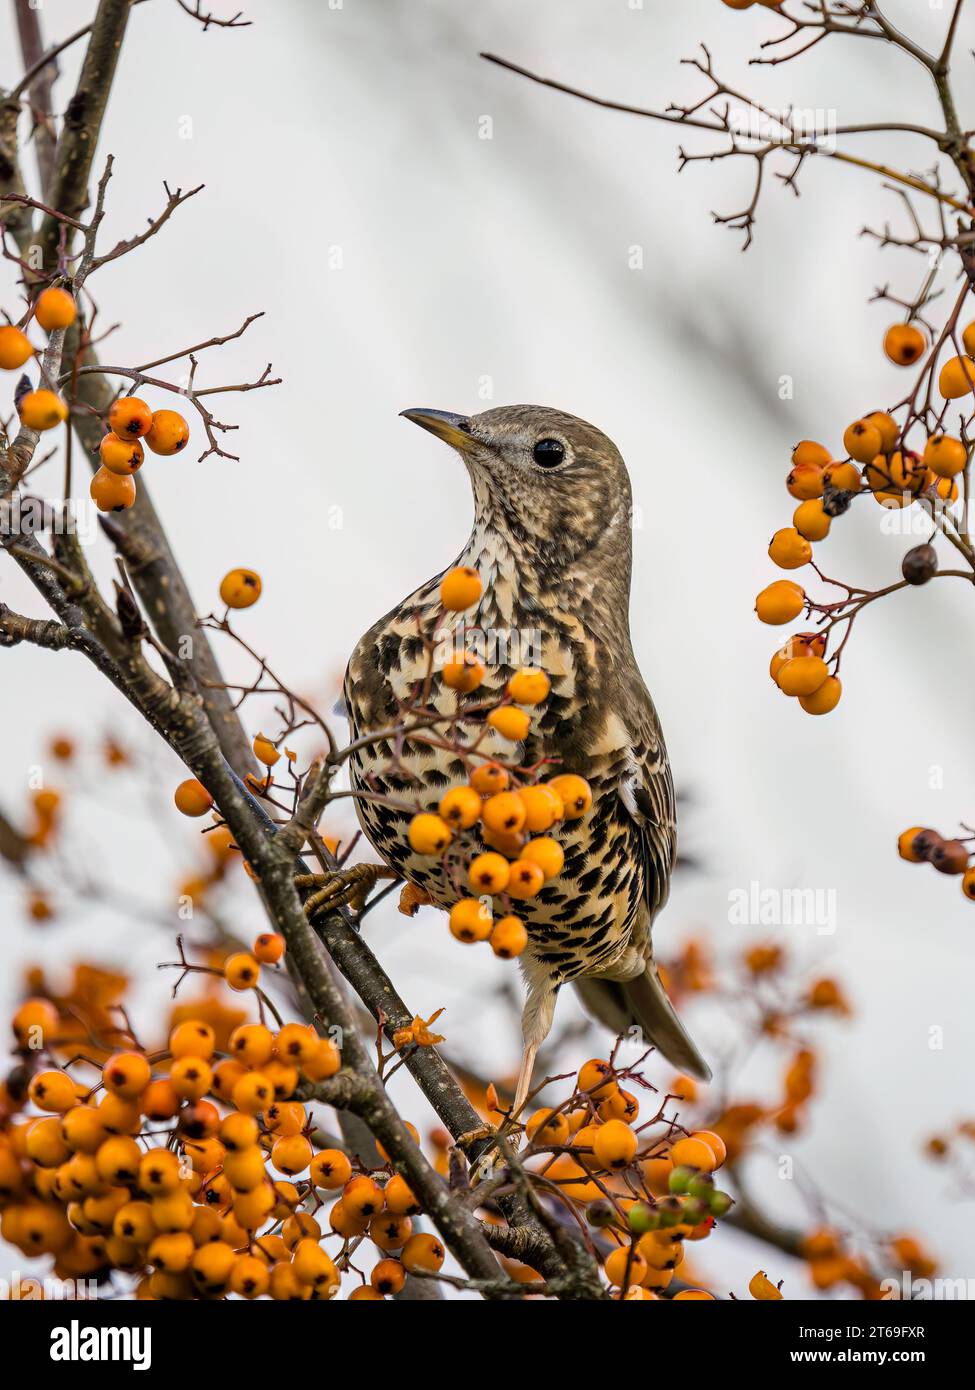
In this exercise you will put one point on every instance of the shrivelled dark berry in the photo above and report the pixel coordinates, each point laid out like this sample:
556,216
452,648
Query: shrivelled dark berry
836,501
920,564
949,857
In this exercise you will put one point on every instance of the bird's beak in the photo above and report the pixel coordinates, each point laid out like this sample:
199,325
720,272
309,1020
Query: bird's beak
452,429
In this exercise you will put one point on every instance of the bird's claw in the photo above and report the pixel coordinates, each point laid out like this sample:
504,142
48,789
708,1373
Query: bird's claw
343,888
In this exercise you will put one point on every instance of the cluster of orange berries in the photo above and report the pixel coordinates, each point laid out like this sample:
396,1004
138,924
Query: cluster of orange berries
130,424
163,1169
511,820
921,845
644,1197
879,463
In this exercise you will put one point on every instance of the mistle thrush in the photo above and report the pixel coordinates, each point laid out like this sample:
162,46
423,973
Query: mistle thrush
552,544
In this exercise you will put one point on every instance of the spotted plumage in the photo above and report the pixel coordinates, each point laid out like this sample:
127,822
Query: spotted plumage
552,544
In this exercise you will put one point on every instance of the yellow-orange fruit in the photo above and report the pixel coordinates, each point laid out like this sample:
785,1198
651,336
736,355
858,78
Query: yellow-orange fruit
529,686
489,778
574,792
429,834
121,456
192,798
811,520
463,674
547,853
330,1169
460,807
111,492
956,378
126,1074
504,813
470,920
802,675
525,879
825,698
945,455
488,873
129,418
15,347
862,441
888,427
240,588
694,1153
614,1145
423,1252
808,451
42,410
508,938
511,723
55,308
904,343
543,807
844,477
780,602
789,550
805,481
168,432
241,971
546,1127
460,588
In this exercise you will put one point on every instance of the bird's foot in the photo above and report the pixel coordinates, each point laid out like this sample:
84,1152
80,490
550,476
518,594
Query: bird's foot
500,1136
343,888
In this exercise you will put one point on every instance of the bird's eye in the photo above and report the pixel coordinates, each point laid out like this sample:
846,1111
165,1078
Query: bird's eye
548,453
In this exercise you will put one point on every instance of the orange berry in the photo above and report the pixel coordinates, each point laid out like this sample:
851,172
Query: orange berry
252,1044
547,1127
269,947
574,792
463,674
118,1159
543,807
241,970
904,343
265,751
423,1252
192,798
714,1142
547,853
111,492
15,347
35,1023
909,847
126,1074
780,602
399,1197
508,938
192,1038
130,418
122,456
625,1265
504,813
489,778
460,807
808,451
760,1285
54,308
53,1091
802,675
240,588
529,686
488,873
296,1042
388,1277
955,379
42,410
249,1277
694,1153
862,441
192,1077
510,723
825,699
614,1145
330,1169
789,550
693,1294
805,481
945,456
470,920
291,1154
363,1198
429,834
968,884
159,1100
596,1079
811,520
390,1232
324,1061
168,432
460,588
158,1174
844,477
888,427
525,879
285,1118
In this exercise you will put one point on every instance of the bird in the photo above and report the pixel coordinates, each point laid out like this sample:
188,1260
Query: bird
552,544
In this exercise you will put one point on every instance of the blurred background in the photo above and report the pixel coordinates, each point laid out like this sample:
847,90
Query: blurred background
424,229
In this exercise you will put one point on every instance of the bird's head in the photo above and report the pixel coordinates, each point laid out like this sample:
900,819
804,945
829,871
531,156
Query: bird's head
543,478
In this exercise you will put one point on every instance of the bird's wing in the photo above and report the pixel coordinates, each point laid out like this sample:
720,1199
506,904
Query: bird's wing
647,792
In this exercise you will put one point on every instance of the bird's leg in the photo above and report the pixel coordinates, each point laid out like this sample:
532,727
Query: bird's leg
524,1077
342,888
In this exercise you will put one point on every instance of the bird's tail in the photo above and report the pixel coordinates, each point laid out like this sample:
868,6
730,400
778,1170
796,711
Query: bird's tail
644,1002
